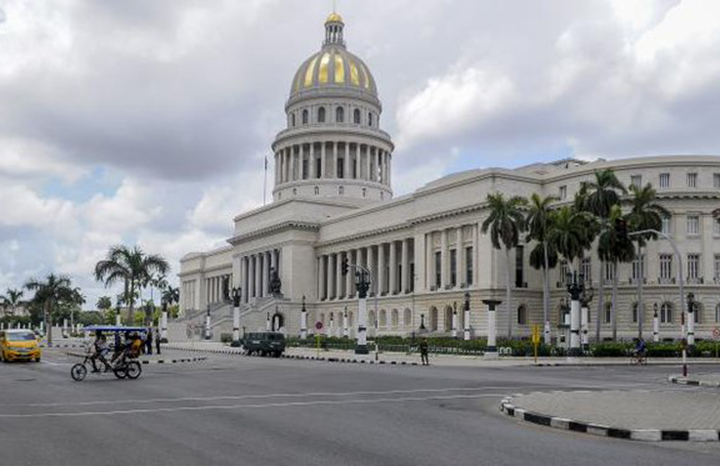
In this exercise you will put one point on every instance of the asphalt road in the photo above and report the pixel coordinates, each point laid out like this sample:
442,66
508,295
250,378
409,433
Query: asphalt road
251,411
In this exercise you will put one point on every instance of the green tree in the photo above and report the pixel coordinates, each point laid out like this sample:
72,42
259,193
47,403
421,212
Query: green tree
12,299
645,214
55,289
104,303
505,222
540,222
131,267
604,193
171,295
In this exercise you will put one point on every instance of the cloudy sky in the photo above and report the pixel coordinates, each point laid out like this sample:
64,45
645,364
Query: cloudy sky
146,121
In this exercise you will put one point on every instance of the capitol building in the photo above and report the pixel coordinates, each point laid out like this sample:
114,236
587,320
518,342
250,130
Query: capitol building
333,200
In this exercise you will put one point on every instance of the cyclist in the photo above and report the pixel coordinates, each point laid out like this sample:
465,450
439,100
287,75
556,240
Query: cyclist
640,348
102,349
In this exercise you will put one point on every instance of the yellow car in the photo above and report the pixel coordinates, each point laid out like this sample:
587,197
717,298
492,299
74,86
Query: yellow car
18,345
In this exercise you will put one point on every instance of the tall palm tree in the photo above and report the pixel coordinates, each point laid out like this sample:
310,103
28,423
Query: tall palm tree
12,299
603,194
104,303
568,235
506,222
171,295
540,222
615,250
132,267
645,214
55,289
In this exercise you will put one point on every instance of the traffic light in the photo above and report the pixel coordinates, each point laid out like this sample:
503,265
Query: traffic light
621,229
345,266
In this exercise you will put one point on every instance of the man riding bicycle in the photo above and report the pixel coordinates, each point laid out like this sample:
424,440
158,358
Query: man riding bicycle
640,348
101,350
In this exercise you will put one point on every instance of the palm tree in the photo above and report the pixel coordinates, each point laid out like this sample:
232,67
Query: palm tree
613,249
104,303
603,194
131,267
12,299
506,222
54,290
540,221
645,214
568,236
171,295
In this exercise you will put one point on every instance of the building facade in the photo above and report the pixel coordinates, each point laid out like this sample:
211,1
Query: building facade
333,200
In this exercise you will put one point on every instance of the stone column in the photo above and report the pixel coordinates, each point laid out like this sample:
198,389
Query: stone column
292,163
349,277
301,169
339,276
368,160
430,258
335,160
258,275
389,181
393,268
459,257
348,173
404,266
323,161
312,156
321,279
330,280
491,350
381,269
475,232
358,171
371,267
444,262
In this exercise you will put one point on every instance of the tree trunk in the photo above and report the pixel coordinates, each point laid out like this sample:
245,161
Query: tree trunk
641,305
48,320
613,315
601,302
546,295
508,292
131,310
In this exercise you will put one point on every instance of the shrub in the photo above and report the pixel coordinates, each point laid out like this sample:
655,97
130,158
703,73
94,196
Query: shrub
226,337
612,349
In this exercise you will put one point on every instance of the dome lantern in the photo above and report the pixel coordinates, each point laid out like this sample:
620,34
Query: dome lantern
334,30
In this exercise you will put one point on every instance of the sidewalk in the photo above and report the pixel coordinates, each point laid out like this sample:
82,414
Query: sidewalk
438,360
634,415
709,379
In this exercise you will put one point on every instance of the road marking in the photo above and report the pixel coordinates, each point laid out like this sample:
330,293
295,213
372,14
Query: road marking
252,406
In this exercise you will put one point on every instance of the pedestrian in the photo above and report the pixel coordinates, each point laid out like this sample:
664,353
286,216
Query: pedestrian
157,341
149,341
424,352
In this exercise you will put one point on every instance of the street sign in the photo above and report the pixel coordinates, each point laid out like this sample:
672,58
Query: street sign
318,325
536,334
716,333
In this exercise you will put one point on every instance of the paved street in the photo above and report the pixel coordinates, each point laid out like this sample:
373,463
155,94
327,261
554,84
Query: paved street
240,410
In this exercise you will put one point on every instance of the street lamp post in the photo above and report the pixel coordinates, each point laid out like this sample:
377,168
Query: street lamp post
585,301
491,350
207,323
267,321
575,288
164,323
236,295
454,320
691,309
303,320
346,330
362,283
656,324
466,317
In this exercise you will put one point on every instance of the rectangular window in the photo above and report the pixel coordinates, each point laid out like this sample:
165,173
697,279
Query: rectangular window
638,266
453,267
693,225
340,168
665,228
664,180
318,168
305,169
563,193
692,180
666,313
636,180
469,266
438,270
519,261
412,277
608,313
635,313
666,267
693,261
564,270
609,271
586,270
716,180
717,267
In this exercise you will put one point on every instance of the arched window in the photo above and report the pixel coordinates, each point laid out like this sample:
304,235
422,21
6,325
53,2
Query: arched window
340,115
448,318
383,318
522,316
317,190
608,313
666,313
395,318
356,116
305,116
433,319
321,115
698,312
292,119
370,119
407,319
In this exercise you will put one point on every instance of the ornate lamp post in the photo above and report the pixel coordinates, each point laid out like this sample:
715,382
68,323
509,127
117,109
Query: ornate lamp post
118,318
303,320
454,320
466,317
491,351
346,331
585,301
575,288
692,307
267,320
656,324
207,323
164,322
362,284
236,295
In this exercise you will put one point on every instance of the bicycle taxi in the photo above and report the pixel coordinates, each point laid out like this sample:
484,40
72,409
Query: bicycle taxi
123,363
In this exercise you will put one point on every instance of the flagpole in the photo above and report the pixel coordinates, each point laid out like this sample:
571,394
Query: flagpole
265,162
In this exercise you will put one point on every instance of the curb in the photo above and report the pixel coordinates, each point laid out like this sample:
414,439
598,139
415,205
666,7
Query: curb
698,383
647,435
153,361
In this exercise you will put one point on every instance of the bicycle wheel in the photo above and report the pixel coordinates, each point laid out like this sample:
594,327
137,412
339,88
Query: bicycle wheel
134,369
120,372
78,372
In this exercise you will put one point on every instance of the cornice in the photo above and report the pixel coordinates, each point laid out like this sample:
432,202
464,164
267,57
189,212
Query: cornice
274,229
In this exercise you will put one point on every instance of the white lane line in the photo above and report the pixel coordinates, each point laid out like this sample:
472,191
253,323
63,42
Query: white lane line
252,406
262,396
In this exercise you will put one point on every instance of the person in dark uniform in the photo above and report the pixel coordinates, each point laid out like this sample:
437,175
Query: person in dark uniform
149,341
424,352
157,342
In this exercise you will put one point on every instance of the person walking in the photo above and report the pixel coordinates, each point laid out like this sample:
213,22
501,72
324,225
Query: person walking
424,352
149,341
157,341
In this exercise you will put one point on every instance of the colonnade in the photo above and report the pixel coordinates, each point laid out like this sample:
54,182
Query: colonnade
451,257
256,273
391,264
333,160
214,287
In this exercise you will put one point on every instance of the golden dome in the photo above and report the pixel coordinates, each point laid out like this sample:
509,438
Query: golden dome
334,17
